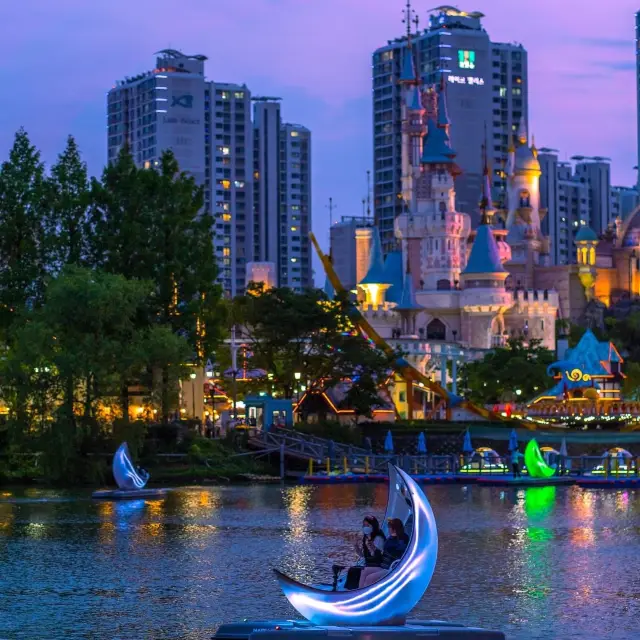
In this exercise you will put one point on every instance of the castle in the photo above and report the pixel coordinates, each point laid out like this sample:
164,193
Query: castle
449,293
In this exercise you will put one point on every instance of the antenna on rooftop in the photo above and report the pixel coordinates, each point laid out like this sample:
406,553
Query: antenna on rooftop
331,207
368,193
416,21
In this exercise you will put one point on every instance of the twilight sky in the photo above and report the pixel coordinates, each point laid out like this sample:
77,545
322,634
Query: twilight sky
59,58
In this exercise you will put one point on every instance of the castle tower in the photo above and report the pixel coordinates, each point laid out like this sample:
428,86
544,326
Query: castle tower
442,231
484,298
375,283
408,308
524,214
586,242
412,125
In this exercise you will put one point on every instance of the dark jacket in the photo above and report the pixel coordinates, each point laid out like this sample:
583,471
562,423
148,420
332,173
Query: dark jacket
394,549
372,559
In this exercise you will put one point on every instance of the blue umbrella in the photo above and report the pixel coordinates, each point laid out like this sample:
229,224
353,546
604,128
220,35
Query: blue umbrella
467,447
388,442
422,443
563,448
513,440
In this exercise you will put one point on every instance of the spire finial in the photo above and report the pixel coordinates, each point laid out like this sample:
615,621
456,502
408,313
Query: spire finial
485,202
408,12
331,207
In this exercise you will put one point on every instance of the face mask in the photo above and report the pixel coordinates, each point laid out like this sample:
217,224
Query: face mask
367,530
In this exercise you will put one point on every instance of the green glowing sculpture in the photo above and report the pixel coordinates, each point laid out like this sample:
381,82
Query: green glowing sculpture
536,466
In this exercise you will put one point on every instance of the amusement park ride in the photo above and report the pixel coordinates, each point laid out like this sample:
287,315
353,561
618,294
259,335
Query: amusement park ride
378,611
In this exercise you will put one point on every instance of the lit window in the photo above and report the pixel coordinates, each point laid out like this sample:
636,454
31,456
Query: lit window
238,184
226,184
226,251
238,95
294,259
503,92
256,175
294,228
294,134
225,95
147,164
226,217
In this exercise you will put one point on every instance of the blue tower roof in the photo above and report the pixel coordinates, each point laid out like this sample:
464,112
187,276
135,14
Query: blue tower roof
376,273
413,100
443,115
586,234
436,148
485,257
393,273
408,68
408,299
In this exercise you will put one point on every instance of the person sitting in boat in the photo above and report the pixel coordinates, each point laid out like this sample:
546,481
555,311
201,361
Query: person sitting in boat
369,550
394,547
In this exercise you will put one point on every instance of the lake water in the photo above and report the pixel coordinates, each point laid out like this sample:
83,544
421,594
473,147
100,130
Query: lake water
537,563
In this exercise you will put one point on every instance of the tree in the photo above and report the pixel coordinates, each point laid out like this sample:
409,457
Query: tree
520,366
68,198
21,231
149,224
85,342
288,332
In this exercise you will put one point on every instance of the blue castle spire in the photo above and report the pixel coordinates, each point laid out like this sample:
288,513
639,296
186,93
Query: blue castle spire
376,273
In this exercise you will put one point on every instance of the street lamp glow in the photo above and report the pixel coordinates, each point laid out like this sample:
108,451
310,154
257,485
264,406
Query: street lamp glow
192,376
297,375
518,392
209,374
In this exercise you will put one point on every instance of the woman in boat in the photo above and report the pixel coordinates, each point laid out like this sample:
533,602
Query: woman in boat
369,550
394,547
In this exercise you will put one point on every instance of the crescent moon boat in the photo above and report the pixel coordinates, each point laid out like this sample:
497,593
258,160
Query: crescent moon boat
378,611
537,466
131,481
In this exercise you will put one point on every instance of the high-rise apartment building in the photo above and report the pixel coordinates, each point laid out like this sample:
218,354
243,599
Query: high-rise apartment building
576,196
350,242
486,85
208,127
282,190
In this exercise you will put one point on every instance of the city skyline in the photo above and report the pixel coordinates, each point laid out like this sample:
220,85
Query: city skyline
316,57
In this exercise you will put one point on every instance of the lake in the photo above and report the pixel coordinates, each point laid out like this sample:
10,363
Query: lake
536,563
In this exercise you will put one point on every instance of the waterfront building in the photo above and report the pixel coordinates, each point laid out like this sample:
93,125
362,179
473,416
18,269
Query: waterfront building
208,126
487,86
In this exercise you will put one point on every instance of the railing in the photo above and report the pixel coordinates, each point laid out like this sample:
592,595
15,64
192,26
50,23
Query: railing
299,445
576,466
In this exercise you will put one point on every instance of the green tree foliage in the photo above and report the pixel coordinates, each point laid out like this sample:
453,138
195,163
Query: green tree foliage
148,224
21,231
78,348
518,366
288,332
68,199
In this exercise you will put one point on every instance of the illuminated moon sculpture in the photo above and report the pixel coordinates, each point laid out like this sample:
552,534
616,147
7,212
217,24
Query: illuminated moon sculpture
388,601
124,471
536,465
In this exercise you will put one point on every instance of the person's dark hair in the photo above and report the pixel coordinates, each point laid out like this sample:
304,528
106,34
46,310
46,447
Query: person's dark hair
375,526
395,525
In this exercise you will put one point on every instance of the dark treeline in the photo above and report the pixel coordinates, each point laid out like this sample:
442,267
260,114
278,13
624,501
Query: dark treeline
105,284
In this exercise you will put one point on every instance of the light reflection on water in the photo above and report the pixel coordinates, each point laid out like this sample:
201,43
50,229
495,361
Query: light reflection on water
535,563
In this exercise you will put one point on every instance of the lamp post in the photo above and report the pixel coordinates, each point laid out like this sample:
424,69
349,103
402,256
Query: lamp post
297,375
193,393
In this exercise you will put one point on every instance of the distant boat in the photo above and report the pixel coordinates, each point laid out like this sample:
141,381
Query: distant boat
131,481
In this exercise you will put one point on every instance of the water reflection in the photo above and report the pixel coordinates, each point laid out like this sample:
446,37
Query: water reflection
537,562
